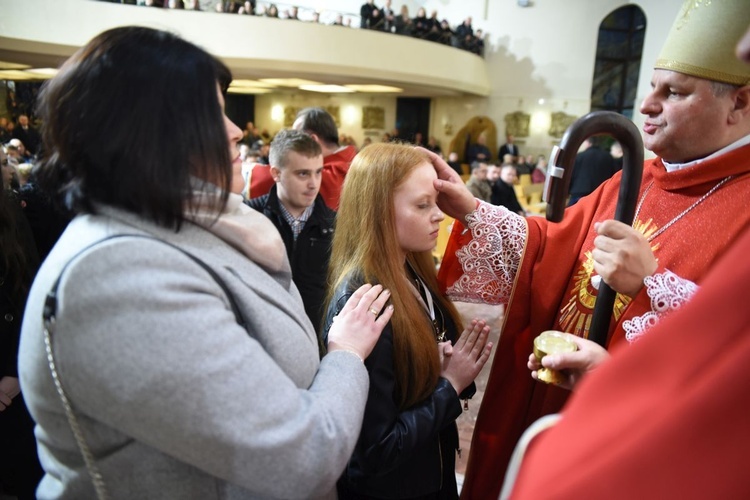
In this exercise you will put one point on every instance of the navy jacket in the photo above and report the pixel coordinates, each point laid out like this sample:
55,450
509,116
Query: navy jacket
309,255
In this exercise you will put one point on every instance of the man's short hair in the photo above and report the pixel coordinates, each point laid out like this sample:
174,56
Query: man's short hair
292,140
318,121
720,89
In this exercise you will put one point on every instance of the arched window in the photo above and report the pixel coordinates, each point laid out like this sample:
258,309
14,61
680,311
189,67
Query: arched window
618,60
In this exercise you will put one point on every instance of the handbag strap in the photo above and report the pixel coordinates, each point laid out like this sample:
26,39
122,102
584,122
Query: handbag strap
49,316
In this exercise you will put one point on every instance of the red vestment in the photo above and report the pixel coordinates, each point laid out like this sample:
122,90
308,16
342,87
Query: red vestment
666,418
552,288
335,167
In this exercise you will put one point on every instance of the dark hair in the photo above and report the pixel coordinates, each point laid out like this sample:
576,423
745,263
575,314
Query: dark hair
292,140
132,120
318,121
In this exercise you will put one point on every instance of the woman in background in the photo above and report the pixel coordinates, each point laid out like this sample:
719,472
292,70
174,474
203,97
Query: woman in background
386,228
183,352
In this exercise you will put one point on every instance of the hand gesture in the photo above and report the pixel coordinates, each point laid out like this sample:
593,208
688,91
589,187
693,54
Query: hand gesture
622,257
9,389
359,324
453,197
462,362
573,365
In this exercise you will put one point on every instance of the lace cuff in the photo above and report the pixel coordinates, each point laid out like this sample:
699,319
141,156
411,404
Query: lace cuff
668,292
490,261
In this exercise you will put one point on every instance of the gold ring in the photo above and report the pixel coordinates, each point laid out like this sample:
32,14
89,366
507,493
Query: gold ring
374,311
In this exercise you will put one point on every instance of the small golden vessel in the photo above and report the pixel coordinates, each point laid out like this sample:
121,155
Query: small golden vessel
551,342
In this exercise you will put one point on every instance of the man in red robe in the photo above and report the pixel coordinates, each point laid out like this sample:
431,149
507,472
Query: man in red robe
320,125
666,418
692,204
681,394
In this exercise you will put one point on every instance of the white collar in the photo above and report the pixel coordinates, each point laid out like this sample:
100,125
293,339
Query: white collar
673,167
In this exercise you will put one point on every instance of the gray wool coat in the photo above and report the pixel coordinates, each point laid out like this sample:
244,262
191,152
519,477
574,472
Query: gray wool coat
176,400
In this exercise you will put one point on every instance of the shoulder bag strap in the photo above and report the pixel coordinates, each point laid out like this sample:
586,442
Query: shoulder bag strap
49,314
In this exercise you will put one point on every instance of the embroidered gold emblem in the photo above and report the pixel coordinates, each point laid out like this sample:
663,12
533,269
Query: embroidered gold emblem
575,315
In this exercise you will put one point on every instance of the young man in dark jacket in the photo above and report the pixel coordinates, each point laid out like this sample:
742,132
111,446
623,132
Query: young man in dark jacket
305,223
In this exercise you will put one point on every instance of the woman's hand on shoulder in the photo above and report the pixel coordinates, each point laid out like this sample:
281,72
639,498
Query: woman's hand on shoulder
462,362
361,321
9,389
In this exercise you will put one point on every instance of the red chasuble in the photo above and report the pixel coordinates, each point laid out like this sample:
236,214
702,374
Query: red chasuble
552,289
666,418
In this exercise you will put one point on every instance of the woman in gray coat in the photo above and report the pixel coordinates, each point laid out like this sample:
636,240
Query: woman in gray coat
181,361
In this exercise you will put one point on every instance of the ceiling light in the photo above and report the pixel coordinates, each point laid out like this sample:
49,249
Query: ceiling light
248,90
289,82
13,74
10,65
375,89
330,89
251,84
43,72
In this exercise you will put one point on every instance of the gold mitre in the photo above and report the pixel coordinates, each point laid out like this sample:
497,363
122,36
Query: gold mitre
703,39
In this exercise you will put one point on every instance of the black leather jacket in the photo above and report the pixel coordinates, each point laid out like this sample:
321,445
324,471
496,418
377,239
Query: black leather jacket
400,453
309,255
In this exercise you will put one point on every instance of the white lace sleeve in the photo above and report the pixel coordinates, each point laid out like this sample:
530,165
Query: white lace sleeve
490,261
668,292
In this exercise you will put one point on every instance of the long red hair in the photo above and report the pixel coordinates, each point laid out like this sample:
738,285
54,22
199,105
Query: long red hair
365,243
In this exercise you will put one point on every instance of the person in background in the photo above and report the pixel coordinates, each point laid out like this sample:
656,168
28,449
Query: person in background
593,165
179,340
539,174
509,148
477,184
615,150
5,135
454,163
403,22
305,223
320,125
434,146
697,123
386,229
478,151
523,168
650,397
28,135
502,180
365,14
20,470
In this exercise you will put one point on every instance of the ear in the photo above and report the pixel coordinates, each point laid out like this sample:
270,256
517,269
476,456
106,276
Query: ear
741,108
276,174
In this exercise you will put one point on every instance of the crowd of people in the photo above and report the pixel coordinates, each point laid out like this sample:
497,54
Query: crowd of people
183,293
371,17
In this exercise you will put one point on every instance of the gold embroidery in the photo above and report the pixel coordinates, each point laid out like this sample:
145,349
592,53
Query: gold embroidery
576,314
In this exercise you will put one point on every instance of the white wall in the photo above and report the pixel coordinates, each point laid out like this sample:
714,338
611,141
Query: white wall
546,51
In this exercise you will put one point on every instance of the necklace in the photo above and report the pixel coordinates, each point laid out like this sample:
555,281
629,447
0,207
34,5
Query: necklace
681,214
439,328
